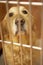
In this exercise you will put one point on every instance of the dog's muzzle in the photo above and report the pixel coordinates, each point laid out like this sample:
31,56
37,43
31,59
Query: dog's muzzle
20,23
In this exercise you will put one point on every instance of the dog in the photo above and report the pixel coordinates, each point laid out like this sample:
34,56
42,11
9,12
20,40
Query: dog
17,27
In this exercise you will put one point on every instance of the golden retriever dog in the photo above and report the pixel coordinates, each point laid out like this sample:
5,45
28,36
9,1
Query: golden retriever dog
18,27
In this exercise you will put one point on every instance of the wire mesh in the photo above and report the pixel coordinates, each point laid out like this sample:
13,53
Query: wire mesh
30,32
41,44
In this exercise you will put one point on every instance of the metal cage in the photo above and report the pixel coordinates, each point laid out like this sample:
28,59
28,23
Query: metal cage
25,46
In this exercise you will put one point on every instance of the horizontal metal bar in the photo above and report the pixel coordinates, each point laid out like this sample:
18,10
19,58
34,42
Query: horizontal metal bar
23,3
24,45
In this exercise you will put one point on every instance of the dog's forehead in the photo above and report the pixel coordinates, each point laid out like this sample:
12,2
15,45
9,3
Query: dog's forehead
15,9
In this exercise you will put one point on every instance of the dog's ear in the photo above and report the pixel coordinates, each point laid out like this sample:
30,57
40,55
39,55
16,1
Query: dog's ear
32,28
4,25
31,23
34,31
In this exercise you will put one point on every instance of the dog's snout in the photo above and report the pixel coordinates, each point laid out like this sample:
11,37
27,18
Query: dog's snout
20,21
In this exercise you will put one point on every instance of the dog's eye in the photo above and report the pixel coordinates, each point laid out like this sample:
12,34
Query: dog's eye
10,14
24,11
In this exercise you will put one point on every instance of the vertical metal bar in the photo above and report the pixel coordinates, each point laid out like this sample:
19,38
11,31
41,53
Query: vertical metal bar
4,55
41,52
20,32
10,35
30,31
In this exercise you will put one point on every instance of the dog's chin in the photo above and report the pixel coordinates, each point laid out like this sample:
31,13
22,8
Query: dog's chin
21,36
20,32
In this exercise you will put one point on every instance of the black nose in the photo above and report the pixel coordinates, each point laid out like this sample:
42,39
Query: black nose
20,21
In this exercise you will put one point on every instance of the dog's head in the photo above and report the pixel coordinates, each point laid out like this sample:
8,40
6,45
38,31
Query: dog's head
18,22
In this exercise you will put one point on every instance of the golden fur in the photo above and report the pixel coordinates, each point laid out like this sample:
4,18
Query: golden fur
9,34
